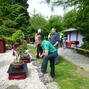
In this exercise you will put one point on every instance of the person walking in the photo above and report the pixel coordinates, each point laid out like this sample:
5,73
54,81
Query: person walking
39,48
64,42
49,54
55,39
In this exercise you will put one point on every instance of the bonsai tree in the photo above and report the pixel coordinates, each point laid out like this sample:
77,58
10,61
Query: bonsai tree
22,50
18,36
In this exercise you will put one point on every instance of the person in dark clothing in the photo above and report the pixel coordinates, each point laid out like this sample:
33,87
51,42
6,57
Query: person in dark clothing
39,48
49,54
55,41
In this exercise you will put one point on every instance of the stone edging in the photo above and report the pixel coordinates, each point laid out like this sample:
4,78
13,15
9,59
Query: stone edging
46,79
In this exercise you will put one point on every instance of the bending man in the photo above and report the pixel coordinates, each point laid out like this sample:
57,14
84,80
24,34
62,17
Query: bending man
49,54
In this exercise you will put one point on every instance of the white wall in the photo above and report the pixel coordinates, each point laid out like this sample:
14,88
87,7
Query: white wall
68,36
80,39
73,36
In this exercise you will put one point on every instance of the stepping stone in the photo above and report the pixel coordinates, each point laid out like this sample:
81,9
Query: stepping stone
13,87
52,85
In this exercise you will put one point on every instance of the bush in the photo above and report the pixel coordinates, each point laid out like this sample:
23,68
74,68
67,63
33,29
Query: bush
83,51
85,46
8,40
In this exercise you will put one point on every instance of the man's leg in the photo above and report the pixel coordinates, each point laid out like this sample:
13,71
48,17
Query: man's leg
50,57
52,66
44,64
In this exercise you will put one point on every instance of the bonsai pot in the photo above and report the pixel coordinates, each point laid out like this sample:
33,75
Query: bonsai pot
17,64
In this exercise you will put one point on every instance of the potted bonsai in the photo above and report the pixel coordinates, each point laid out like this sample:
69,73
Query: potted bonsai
17,63
23,52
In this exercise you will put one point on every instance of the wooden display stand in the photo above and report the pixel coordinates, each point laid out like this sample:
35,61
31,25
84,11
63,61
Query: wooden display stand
2,46
17,73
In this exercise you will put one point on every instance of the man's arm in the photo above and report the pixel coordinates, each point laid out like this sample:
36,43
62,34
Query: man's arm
56,43
57,40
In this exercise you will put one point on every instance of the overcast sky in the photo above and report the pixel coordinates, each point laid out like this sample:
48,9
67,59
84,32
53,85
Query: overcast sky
43,8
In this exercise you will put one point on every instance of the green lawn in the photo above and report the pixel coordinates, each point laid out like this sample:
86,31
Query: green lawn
66,75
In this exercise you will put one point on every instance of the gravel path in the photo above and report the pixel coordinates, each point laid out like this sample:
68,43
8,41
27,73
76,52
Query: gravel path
31,82
72,56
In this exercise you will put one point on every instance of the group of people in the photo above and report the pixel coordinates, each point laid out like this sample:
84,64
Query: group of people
47,49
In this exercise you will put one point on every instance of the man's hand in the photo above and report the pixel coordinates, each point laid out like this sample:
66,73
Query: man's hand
45,53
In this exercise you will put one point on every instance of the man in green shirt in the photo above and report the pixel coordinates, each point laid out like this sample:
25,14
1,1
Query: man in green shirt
49,54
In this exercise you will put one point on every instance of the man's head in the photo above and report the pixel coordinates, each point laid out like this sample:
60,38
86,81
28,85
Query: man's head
53,30
38,39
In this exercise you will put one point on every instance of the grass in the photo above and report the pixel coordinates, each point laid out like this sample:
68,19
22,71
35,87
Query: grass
66,75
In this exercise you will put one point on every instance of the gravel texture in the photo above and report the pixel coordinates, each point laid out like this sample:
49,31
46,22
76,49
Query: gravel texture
33,80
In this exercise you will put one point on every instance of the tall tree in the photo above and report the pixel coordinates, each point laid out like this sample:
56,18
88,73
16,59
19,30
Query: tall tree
55,21
82,7
70,19
13,16
37,21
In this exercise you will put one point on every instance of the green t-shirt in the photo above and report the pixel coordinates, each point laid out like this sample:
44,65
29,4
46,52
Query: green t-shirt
47,46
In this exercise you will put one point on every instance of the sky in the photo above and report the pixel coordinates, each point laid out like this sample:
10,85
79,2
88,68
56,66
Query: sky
43,8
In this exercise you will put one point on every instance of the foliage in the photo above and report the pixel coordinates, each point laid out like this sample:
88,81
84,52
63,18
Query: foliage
37,21
8,40
83,16
17,36
22,49
55,21
86,45
83,51
65,3
19,2
82,7
70,19
13,16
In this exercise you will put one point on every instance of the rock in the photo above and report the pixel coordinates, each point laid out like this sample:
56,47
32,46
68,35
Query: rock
45,78
82,72
13,87
52,85
36,63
